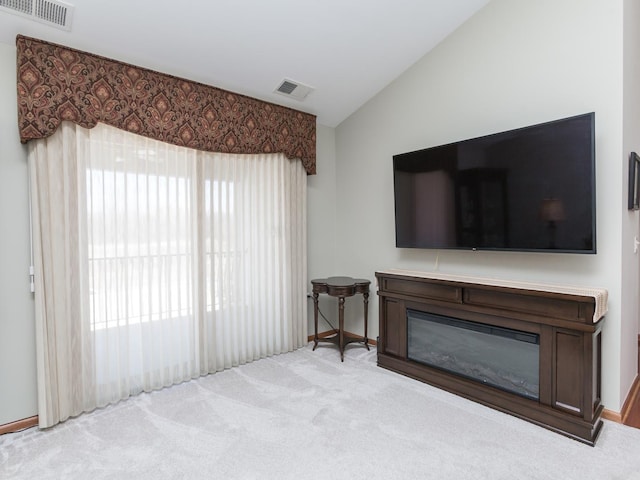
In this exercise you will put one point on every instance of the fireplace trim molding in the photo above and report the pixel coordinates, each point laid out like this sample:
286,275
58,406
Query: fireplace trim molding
568,319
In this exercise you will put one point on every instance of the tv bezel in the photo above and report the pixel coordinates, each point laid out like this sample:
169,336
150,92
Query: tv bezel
592,180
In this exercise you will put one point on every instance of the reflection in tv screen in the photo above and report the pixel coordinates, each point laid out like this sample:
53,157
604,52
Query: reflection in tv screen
530,189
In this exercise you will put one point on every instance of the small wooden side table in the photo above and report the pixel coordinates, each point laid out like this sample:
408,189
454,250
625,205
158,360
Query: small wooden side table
340,287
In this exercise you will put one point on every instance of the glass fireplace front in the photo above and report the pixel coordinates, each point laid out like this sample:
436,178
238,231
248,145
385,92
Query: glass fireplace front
500,357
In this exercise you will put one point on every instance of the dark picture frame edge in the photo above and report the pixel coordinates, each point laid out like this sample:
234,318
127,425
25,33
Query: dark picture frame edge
634,180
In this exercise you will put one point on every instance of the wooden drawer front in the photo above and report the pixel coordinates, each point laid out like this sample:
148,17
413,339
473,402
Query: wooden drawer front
423,289
569,375
536,305
395,328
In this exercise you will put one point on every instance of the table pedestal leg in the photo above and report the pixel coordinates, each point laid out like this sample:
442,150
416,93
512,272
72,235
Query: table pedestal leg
315,320
341,327
365,297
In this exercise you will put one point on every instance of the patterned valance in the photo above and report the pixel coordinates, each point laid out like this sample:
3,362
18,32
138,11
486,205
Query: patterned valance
57,83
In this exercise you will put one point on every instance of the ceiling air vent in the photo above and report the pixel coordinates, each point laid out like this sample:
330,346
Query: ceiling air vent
292,89
50,12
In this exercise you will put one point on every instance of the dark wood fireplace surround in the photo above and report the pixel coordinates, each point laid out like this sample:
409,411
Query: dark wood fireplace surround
570,346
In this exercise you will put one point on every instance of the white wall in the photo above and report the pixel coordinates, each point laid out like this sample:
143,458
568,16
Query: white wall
18,397
513,64
321,205
321,222
631,219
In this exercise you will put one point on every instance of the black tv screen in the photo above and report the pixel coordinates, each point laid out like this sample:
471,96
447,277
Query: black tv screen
530,189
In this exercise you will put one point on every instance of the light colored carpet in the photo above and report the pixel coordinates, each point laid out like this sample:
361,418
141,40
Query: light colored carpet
306,415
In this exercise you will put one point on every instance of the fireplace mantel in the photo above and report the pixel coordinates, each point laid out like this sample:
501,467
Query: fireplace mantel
567,319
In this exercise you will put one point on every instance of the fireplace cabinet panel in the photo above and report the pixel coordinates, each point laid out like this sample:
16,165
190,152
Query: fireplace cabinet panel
394,328
569,376
596,369
569,353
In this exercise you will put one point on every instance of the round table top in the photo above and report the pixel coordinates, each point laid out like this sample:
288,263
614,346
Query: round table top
340,281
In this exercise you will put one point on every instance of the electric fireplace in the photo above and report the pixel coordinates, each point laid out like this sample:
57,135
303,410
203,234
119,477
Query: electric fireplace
501,357
526,349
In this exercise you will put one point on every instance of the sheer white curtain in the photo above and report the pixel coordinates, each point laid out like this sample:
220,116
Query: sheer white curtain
156,264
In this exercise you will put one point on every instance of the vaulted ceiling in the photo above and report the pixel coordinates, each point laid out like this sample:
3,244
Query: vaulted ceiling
346,50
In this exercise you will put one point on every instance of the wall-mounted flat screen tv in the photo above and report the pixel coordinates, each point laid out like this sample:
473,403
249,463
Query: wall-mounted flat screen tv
529,189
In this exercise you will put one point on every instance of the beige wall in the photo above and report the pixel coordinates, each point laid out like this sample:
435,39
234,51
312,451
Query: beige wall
18,398
513,64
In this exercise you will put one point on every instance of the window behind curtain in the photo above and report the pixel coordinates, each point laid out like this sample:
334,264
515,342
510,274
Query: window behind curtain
187,262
